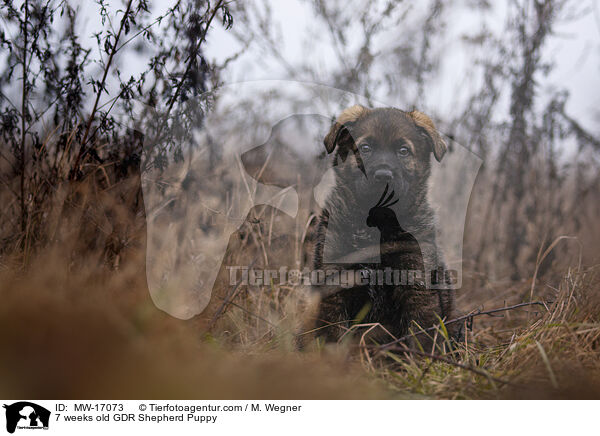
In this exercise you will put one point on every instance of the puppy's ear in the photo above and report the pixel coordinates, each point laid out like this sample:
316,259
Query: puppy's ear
338,130
333,137
427,127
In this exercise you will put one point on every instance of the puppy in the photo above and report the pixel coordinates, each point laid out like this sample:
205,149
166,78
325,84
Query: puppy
382,167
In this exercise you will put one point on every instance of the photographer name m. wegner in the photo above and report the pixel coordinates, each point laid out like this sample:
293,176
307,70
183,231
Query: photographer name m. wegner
346,278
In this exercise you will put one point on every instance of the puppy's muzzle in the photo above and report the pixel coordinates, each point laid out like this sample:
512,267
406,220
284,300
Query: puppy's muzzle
383,175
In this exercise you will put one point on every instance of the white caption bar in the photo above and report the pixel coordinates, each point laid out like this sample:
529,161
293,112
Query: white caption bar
23,417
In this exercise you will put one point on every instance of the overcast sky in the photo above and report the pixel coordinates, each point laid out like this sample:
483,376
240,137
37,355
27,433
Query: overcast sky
574,49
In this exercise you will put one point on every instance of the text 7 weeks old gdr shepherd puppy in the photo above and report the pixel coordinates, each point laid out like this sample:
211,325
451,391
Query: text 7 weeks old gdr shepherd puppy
382,168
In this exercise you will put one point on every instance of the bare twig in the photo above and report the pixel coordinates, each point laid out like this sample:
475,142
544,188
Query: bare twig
189,65
113,51
170,11
462,318
23,116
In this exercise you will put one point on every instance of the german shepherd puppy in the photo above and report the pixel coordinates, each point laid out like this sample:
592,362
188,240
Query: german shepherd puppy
382,167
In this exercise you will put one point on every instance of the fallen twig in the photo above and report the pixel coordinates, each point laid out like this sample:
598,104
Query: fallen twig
469,317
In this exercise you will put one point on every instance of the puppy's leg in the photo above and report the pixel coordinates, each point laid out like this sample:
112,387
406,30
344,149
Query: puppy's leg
332,318
337,312
423,311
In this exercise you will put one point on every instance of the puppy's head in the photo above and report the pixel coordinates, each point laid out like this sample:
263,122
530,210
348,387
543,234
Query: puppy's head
385,146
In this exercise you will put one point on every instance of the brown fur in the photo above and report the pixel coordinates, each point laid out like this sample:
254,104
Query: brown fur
356,190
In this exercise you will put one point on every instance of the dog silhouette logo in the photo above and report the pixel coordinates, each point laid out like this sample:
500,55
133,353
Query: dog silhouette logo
258,157
26,415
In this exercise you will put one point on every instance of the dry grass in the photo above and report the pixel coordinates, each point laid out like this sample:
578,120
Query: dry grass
89,333
92,334
539,353
78,321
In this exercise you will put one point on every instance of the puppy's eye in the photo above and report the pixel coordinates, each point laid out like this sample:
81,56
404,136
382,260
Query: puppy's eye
365,148
403,151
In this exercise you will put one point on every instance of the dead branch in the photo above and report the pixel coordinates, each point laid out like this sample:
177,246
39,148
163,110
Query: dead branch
468,317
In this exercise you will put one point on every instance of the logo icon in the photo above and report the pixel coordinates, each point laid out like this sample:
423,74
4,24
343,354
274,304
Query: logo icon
26,415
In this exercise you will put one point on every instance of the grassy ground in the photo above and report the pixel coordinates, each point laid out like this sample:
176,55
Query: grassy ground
83,332
78,322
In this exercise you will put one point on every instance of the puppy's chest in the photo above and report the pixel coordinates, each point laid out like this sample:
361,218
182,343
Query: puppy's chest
351,241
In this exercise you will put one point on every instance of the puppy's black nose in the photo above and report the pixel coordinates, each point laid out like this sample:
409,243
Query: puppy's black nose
383,175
